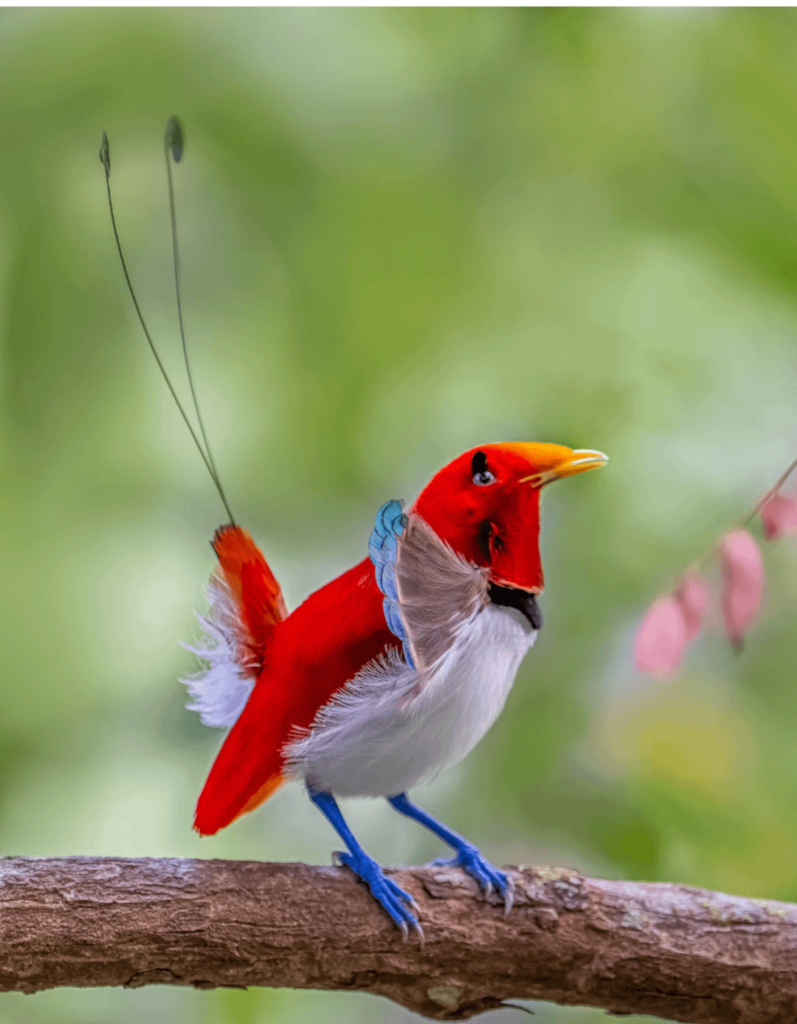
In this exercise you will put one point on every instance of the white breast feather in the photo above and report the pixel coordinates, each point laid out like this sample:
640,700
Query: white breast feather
388,729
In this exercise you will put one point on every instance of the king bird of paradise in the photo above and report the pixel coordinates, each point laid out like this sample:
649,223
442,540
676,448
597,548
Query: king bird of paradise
393,671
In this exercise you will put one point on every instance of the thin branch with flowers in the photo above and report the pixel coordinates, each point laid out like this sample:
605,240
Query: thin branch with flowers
676,618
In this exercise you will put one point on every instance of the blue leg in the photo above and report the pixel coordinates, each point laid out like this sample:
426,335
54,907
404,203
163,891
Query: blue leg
393,900
468,857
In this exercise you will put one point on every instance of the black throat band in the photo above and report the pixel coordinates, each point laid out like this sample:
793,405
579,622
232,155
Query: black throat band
521,600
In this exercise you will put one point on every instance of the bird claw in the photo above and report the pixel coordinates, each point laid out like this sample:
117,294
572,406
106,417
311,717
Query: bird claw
411,901
397,904
416,927
488,877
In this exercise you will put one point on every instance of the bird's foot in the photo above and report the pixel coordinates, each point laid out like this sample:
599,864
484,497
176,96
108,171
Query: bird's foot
397,904
488,877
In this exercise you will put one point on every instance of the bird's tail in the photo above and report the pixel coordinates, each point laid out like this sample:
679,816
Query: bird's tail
246,605
247,769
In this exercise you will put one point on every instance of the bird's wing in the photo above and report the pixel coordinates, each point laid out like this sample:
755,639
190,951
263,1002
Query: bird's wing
438,592
430,592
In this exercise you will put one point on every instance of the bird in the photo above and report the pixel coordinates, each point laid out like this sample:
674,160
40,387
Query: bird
388,674
391,672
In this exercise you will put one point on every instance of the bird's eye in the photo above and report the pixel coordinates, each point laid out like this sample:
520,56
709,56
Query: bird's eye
482,476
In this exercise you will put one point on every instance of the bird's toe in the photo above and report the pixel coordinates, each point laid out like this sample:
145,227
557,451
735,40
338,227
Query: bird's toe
391,897
402,894
488,877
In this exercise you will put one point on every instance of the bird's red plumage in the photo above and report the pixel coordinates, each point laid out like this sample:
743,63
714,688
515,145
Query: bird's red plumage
315,651
490,519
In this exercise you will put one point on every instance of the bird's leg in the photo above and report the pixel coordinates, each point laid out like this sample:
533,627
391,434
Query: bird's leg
393,900
468,857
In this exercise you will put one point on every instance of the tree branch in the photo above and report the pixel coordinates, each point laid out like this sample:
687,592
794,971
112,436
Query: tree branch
629,947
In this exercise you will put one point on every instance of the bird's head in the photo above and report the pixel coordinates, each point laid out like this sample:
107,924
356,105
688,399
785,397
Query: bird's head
486,505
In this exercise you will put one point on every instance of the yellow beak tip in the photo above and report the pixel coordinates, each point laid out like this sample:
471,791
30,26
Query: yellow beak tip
588,458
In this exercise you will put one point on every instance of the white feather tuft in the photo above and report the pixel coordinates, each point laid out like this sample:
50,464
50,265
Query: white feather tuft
220,691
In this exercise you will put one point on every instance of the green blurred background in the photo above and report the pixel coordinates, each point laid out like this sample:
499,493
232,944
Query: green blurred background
404,233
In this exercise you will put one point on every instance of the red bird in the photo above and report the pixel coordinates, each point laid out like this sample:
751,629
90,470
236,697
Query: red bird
393,671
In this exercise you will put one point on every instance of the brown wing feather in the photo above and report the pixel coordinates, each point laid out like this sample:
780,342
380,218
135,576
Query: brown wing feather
438,591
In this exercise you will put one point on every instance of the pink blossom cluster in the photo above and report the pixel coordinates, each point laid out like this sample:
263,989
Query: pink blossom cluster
674,620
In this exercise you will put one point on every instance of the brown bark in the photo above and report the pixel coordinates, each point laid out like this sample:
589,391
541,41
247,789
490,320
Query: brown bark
630,947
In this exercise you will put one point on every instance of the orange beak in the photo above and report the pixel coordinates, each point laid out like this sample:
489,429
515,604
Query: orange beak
553,461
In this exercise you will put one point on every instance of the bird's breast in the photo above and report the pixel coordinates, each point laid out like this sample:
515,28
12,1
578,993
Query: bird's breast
392,727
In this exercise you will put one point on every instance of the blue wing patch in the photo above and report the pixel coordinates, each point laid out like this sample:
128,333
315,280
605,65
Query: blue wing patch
382,549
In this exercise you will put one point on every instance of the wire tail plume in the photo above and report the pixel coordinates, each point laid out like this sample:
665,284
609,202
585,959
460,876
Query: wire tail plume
174,142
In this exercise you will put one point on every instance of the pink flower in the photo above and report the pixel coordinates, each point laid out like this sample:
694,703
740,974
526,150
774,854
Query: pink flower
671,622
779,516
662,637
742,583
693,596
